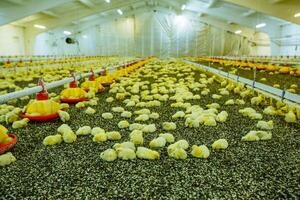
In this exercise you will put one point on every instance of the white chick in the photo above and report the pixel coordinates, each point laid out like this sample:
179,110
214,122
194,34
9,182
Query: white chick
168,136
7,159
109,155
220,144
270,110
200,151
107,115
150,128
136,137
90,111
177,153
265,125
52,140
222,116
264,135
126,145
216,96
154,115
148,154
126,153
169,126
178,114
126,114
64,116
118,109
85,130
123,124
250,137
20,124
142,117
113,135
157,142
63,128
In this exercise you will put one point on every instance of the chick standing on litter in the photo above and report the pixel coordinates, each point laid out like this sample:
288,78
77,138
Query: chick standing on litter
148,154
109,155
52,140
7,159
21,123
265,125
85,130
136,137
64,116
220,144
200,151
157,142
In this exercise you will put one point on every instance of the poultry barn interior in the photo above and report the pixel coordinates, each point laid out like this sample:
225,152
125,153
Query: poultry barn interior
149,99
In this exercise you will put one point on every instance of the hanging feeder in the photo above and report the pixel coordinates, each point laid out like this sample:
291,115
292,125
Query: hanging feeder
73,94
42,108
92,84
105,78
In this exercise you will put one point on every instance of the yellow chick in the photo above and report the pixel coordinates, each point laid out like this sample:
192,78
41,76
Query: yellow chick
154,115
113,135
69,136
290,117
250,137
150,128
64,106
168,137
11,117
136,126
178,114
264,135
52,140
109,155
216,96
80,105
90,111
20,124
270,110
64,116
157,142
136,137
148,154
63,128
126,145
256,100
126,153
100,137
169,126
240,101
97,130
123,124
107,115
118,109
126,114
265,125
109,99
142,117
177,153
229,102
85,130
222,116
142,111
209,121
200,151
220,144
7,159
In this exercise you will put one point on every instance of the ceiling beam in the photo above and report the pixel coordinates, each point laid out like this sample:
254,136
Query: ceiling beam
87,3
15,13
281,9
50,13
69,17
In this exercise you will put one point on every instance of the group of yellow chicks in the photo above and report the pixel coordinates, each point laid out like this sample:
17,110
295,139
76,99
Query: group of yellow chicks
173,82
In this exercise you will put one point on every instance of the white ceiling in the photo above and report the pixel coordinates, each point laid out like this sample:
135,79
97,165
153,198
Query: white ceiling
61,13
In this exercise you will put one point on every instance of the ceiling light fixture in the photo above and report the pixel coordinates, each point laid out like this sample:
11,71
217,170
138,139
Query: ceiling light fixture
261,25
84,36
39,26
120,12
67,33
107,1
183,7
297,15
238,32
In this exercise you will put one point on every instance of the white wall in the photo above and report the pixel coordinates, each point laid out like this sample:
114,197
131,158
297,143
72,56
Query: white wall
11,40
290,40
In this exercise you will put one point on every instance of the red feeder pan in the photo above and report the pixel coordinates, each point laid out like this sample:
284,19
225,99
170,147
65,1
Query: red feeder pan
73,100
7,146
43,118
